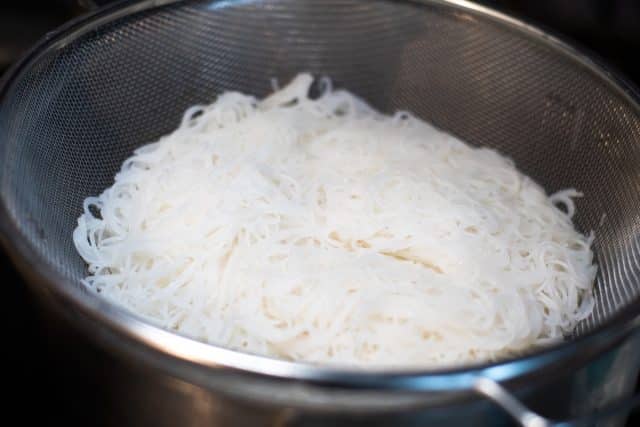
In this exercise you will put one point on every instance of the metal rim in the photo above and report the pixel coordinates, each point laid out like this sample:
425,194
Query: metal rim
203,355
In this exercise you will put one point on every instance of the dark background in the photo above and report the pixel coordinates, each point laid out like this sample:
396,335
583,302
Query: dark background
45,366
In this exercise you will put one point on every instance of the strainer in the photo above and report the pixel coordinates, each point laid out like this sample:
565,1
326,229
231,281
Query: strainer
78,104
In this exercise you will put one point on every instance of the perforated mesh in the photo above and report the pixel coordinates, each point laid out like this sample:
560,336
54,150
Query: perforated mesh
77,112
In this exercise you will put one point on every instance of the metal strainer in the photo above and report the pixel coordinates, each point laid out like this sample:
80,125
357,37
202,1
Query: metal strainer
83,99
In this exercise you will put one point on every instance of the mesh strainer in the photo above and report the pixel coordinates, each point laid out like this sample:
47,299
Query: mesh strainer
78,105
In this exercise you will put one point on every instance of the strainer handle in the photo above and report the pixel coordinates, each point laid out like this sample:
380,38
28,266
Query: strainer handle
527,418
503,398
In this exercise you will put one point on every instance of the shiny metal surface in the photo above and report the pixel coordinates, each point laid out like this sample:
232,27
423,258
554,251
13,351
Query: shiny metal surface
77,106
514,407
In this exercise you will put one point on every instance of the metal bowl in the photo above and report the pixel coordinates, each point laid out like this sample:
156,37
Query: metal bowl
78,104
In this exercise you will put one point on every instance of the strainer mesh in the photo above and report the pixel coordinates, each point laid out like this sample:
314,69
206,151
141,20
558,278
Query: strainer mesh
79,110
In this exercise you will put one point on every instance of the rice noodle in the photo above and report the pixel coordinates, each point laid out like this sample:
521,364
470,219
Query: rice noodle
321,230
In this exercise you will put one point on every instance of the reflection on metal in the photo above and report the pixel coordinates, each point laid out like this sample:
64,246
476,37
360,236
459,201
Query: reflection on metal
509,403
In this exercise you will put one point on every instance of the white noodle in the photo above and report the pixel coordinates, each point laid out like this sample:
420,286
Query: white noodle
321,230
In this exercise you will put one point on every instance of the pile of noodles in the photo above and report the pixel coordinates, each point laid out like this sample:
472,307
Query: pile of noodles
321,230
